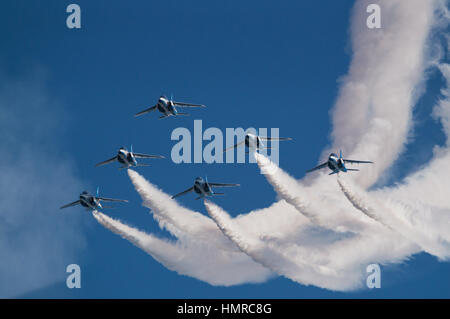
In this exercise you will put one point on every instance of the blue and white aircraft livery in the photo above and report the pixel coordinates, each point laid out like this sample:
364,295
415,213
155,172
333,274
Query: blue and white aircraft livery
128,158
167,107
337,164
92,202
204,188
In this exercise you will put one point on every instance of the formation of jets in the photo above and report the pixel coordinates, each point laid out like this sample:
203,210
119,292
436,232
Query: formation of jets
168,107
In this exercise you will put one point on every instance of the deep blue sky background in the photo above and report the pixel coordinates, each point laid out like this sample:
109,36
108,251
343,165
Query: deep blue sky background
254,64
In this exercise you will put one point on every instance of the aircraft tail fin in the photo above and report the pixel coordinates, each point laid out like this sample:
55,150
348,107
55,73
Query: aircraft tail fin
340,153
183,114
332,173
214,194
352,169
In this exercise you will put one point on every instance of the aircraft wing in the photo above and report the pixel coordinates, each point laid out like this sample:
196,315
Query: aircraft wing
182,104
357,162
139,155
317,167
190,189
71,204
112,200
146,111
222,184
264,138
234,146
107,161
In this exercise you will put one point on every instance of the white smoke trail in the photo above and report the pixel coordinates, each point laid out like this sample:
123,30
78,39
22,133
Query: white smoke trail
391,217
176,219
310,200
422,200
300,270
373,113
314,258
430,184
206,263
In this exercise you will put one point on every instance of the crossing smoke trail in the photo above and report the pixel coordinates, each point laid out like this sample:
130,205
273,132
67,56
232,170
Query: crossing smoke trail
387,215
301,271
201,261
333,264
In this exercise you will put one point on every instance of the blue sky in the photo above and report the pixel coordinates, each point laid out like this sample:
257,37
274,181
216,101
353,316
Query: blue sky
253,64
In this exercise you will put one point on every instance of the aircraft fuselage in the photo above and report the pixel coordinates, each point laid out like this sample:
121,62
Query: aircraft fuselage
89,201
166,107
126,158
253,141
202,188
336,164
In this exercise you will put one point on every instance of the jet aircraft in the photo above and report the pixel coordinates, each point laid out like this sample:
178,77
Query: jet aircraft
204,188
128,158
168,107
255,142
337,164
92,202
